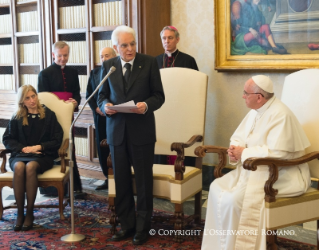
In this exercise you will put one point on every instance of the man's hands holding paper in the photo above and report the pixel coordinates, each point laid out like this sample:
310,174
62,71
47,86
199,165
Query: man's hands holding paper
141,107
128,107
109,111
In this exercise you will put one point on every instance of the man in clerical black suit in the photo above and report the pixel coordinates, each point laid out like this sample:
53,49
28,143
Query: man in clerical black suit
132,136
172,57
99,117
63,81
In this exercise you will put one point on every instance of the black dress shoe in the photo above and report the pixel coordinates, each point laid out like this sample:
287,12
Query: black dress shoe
17,228
27,228
122,234
79,194
140,238
103,186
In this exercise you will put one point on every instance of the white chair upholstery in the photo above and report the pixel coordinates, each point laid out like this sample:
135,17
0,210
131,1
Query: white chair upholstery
59,174
300,95
183,112
180,119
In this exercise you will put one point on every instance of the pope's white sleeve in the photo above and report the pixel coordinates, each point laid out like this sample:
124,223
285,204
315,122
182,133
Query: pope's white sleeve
264,151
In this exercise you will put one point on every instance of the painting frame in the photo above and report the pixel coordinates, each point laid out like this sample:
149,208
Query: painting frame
224,61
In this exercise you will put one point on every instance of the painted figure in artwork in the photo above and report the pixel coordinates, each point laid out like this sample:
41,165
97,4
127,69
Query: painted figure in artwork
250,32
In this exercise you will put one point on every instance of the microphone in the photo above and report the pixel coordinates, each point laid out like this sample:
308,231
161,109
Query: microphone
73,237
112,69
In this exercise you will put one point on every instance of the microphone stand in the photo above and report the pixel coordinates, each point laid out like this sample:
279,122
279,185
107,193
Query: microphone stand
73,237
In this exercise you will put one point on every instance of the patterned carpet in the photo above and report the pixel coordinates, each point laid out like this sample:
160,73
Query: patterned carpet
91,220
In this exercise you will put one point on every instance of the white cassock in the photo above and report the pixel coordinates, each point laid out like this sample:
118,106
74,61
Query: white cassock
236,200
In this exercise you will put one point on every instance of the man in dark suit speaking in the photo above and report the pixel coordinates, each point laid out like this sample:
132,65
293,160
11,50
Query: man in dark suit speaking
132,136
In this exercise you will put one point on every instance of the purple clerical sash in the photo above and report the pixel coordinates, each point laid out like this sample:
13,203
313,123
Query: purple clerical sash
64,95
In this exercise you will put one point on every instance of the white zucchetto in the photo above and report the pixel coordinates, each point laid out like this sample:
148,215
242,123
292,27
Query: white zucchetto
264,83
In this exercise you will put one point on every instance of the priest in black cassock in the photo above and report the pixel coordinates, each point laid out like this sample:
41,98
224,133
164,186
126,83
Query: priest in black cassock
172,57
63,81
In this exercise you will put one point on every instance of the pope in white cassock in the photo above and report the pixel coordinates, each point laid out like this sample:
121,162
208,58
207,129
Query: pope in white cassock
236,200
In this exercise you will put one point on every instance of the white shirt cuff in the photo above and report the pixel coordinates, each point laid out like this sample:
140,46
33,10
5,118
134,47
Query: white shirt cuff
146,107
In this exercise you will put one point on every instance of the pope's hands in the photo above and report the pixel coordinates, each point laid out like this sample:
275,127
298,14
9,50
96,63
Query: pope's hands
235,152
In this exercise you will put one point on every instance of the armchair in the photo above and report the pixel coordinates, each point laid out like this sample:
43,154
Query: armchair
181,118
300,95
58,176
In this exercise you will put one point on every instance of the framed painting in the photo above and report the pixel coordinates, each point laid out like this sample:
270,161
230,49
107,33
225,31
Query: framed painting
266,34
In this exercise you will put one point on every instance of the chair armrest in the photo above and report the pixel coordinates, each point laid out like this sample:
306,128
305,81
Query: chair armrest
201,151
3,155
104,144
273,164
179,148
63,153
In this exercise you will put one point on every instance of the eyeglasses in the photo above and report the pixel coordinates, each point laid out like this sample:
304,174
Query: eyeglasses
247,94
125,45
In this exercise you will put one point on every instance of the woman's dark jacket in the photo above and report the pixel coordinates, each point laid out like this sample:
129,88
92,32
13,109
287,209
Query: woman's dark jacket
50,139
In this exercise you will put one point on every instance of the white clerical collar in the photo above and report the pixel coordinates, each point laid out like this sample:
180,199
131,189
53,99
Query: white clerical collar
266,105
130,62
169,54
62,67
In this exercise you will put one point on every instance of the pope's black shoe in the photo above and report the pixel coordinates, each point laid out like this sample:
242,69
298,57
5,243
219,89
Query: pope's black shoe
123,234
140,238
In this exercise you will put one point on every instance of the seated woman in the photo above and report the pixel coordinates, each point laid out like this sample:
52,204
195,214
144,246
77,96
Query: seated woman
34,137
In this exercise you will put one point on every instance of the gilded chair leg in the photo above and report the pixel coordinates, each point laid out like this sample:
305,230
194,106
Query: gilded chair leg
271,241
318,234
113,220
60,189
178,223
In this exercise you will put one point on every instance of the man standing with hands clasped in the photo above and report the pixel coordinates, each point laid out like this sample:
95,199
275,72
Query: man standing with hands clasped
99,117
132,136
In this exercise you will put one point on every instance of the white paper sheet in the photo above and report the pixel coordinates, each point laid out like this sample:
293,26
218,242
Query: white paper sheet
124,107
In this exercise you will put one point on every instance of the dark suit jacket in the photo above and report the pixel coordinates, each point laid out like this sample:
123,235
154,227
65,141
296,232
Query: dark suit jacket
50,80
145,85
181,60
93,82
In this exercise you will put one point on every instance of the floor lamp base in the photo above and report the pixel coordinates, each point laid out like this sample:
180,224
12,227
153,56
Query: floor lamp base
73,237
